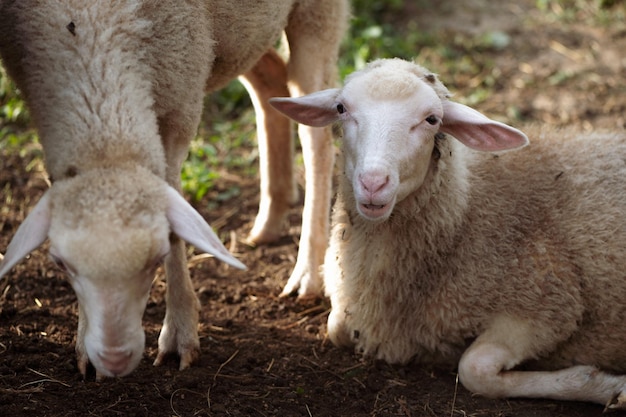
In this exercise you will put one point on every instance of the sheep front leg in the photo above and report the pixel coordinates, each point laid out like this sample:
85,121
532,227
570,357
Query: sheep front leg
314,32
317,151
485,367
179,333
268,79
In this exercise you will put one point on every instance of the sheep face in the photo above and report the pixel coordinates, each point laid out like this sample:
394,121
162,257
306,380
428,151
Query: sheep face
109,239
112,282
110,257
389,124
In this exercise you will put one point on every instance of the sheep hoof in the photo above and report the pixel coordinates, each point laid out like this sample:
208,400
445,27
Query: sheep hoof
303,282
187,357
159,359
260,237
179,342
618,402
301,295
268,228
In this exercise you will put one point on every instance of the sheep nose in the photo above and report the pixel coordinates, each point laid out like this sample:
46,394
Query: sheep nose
116,361
373,182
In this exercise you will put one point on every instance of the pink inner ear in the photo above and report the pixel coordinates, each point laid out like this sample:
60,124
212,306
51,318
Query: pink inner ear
304,114
488,137
315,109
479,132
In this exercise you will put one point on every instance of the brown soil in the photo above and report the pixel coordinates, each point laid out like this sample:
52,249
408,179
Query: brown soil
264,355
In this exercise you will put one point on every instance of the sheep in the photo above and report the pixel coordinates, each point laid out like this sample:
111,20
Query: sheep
116,92
445,249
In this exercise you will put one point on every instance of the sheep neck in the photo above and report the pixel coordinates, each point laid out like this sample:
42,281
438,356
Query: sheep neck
434,210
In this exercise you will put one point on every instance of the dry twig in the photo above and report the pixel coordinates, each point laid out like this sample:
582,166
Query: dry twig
208,393
47,379
456,387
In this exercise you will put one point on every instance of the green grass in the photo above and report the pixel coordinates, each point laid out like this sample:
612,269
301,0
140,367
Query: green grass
16,135
226,137
14,117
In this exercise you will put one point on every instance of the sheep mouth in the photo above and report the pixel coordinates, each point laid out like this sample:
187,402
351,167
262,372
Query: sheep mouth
375,211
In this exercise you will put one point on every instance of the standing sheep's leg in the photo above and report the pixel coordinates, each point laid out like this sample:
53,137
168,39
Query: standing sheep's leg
314,33
179,333
268,79
485,369
318,158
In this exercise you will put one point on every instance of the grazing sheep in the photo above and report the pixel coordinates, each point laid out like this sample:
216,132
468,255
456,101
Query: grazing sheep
511,265
116,91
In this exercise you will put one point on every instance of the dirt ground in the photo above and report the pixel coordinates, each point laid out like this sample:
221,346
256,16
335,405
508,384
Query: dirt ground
268,356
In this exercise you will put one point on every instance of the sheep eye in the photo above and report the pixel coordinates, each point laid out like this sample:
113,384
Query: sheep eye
432,120
340,108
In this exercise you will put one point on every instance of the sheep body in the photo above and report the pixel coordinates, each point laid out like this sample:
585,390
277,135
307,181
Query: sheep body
116,92
537,228
486,260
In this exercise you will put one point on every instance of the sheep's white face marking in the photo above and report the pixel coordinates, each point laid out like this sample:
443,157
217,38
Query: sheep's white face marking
111,269
389,125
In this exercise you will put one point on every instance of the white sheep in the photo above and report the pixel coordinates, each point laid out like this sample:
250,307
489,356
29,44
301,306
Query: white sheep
116,91
442,254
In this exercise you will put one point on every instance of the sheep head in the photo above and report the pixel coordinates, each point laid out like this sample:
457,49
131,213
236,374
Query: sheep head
110,229
390,113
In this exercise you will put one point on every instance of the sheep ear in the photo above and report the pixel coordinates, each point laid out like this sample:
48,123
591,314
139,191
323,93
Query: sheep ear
317,109
477,131
189,225
29,236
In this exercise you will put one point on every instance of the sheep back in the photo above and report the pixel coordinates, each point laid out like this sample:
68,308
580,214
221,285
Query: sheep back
156,58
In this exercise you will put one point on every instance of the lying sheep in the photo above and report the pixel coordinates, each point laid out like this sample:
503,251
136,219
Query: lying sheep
116,91
440,253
